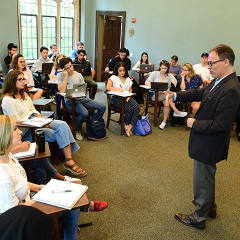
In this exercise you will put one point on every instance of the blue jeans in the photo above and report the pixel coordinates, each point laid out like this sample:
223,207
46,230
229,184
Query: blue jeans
58,132
81,109
70,223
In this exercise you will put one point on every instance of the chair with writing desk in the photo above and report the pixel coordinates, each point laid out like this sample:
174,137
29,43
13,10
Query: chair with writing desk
70,115
54,211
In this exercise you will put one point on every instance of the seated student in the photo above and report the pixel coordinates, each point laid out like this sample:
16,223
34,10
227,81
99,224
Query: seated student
12,50
175,69
37,66
162,75
17,103
190,80
54,52
69,76
80,46
86,72
143,60
202,70
18,63
123,57
56,67
14,187
120,82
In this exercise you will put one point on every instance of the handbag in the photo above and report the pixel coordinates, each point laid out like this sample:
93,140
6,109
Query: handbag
142,126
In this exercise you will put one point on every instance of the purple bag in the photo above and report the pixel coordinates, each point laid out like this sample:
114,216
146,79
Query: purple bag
142,126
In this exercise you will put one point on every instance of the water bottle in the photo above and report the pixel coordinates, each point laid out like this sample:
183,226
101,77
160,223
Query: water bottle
40,140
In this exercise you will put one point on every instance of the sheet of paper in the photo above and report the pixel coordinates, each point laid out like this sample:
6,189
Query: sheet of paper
122,94
38,122
29,153
144,86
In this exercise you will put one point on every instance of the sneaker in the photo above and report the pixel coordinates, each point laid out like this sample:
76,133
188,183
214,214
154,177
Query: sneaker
99,206
162,125
72,180
181,114
79,136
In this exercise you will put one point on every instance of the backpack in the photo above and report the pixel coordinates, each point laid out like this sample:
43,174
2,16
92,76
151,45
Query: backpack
96,129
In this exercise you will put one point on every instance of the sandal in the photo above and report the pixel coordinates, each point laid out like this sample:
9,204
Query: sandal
74,169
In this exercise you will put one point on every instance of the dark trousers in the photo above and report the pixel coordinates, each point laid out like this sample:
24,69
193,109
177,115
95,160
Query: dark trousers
204,190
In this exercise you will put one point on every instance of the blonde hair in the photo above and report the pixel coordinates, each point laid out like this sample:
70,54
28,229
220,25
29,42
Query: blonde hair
56,64
190,68
7,125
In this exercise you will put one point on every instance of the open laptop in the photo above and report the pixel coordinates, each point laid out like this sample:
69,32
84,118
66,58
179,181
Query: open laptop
47,68
160,86
77,67
76,90
146,67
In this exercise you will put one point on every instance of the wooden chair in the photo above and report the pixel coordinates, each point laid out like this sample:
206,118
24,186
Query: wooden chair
114,110
71,113
157,106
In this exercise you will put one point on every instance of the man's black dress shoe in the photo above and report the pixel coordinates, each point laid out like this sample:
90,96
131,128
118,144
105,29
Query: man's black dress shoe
212,213
187,221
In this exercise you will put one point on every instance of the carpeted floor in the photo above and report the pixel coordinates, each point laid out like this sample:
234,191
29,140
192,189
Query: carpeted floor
146,180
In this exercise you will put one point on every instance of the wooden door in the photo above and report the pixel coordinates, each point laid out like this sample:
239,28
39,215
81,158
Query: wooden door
112,39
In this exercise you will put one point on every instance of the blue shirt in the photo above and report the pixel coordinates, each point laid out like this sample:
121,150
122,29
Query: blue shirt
194,83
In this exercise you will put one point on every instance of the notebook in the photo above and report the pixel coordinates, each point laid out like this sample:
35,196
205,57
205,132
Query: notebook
38,122
76,90
160,86
29,153
77,67
47,67
146,67
60,193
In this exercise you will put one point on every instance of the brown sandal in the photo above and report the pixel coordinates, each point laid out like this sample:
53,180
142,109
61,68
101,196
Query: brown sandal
74,169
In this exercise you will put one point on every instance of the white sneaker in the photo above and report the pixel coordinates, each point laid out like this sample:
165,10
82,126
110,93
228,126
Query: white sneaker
79,136
162,125
181,114
72,180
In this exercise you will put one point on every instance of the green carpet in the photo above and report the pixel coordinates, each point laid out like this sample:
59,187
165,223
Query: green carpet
146,180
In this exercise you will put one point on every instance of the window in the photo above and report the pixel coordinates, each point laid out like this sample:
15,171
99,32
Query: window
43,22
29,32
49,22
67,14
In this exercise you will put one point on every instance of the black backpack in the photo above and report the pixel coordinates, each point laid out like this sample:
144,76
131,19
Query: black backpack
96,129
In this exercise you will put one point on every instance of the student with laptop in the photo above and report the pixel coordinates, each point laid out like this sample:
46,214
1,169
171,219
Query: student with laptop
143,61
69,77
163,76
18,63
86,72
17,103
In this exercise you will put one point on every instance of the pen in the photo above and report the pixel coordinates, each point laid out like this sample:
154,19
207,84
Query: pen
61,191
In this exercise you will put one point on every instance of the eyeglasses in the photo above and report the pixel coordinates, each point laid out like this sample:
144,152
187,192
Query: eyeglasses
21,79
211,63
185,70
21,61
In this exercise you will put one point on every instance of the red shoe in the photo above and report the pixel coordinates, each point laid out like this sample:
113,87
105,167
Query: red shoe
99,206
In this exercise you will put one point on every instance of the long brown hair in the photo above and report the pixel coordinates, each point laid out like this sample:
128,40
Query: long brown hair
120,64
14,63
9,85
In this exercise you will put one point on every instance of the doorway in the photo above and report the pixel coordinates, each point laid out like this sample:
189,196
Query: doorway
109,38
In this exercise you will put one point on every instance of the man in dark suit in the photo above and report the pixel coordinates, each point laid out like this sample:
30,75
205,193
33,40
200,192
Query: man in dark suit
210,131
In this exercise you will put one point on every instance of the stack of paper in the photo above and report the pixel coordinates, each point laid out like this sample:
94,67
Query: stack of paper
38,122
60,193
29,153
121,94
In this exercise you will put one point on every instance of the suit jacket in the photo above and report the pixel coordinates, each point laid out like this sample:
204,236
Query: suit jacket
210,133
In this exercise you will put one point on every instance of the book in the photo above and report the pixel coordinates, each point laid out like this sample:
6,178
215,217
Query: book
29,153
38,122
60,193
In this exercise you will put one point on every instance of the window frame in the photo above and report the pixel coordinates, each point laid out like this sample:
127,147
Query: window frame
76,31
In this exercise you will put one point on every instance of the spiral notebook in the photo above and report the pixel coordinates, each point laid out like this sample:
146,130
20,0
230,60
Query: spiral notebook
60,193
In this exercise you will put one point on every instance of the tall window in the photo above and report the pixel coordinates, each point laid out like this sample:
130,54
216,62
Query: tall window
49,22
43,22
29,39
67,14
